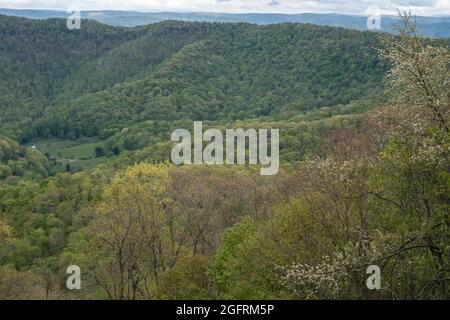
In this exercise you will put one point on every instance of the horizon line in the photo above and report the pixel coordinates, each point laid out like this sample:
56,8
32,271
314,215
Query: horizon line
143,11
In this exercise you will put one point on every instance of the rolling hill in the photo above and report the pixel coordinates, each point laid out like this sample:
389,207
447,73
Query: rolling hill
100,79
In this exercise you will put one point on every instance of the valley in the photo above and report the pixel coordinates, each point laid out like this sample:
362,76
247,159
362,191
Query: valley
88,181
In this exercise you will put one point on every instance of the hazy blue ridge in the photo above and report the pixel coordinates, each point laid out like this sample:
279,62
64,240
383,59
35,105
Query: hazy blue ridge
431,26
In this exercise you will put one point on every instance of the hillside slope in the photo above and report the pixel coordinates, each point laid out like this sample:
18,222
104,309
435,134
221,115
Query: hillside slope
127,89
35,57
101,79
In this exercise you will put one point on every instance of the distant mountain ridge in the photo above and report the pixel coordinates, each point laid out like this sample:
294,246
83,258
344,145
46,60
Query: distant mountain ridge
435,26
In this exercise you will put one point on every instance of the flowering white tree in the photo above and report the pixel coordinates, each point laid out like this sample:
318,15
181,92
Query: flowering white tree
420,73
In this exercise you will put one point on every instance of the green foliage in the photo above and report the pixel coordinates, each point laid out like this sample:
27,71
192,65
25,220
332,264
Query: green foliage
233,238
35,56
359,185
18,161
188,279
105,79
238,72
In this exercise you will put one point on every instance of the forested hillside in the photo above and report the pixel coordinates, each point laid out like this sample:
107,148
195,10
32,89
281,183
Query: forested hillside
98,80
36,56
85,123
242,72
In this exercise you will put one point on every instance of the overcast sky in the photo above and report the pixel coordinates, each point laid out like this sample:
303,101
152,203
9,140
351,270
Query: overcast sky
419,7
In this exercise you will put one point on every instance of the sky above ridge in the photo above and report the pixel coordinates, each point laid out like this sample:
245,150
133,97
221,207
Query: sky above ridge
360,7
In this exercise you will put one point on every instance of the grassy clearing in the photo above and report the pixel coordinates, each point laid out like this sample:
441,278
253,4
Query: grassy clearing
79,154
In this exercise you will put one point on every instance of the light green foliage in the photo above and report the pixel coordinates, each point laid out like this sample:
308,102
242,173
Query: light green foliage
233,238
188,279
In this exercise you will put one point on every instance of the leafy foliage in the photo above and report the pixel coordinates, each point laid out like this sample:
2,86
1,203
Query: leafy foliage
359,185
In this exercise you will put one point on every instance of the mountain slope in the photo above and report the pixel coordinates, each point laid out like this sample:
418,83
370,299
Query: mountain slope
134,59
35,57
238,72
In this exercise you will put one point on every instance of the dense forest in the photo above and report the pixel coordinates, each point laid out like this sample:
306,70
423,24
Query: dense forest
85,174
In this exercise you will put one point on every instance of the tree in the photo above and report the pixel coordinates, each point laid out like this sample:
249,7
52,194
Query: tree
420,73
233,238
129,233
6,239
188,279
414,171
99,152
18,285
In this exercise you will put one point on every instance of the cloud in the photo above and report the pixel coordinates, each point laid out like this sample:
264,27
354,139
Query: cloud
426,7
419,3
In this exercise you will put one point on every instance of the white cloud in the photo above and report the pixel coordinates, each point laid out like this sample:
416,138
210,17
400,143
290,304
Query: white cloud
425,7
